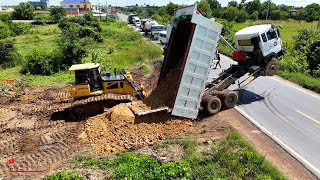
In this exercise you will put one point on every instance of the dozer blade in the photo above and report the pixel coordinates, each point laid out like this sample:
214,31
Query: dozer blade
141,113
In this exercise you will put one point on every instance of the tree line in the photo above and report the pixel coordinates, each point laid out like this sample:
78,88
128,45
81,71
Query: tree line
238,12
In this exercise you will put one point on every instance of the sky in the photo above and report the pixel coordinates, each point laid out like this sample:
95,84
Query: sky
297,3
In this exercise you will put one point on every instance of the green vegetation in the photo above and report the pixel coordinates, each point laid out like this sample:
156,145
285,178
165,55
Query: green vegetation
230,158
23,11
64,175
57,13
39,48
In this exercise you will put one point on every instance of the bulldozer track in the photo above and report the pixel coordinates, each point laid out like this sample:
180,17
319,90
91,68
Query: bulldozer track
95,106
54,94
90,106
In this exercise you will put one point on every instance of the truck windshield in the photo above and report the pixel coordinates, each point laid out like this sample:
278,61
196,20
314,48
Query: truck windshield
158,28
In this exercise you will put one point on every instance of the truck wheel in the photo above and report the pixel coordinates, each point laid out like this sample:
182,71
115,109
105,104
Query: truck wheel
230,99
271,68
212,104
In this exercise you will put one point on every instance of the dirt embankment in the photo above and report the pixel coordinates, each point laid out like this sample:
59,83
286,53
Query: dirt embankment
119,129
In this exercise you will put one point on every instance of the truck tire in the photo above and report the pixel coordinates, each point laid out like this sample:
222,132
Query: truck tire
212,104
230,99
271,68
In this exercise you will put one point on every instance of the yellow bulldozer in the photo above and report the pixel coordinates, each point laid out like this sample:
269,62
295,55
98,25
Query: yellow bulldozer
92,91
90,82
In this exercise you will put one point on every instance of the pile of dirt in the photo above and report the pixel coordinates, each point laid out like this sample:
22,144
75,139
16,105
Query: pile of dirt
150,81
165,93
119,129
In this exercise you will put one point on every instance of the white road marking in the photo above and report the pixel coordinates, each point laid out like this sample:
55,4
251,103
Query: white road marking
307,116
291,151
297,88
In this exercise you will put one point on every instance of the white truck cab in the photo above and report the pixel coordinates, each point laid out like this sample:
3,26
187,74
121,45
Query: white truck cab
263,38
155,31
163,37
136,21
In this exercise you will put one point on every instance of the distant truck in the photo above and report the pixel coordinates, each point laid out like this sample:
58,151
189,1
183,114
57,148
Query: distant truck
136,21
142,25
155,31
149,24
192,46
163,37
130,18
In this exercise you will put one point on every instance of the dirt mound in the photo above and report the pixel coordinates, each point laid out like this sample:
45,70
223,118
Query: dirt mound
118,129
165,93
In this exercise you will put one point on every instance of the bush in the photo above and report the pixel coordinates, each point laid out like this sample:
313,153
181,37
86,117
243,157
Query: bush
294,63
254,16
5,31
57,13
8,55
23,11
64,175
37,63
19,28
307,43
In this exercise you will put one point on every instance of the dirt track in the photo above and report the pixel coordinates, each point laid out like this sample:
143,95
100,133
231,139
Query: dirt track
36,143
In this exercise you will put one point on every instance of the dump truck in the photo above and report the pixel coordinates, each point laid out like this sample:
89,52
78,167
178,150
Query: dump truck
130,18
192,45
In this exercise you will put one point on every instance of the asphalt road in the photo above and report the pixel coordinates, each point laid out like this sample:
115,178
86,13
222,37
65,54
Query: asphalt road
289,114
124,18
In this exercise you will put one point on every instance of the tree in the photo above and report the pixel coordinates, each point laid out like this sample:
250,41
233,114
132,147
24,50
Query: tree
253,6
204,8
267,6
312,12
233,4
215,6
278,15
254,16
230,13
301,14
57,13
23,11
170,8
242,16
242,4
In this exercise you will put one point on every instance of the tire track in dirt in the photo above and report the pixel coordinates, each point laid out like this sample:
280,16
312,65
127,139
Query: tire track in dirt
35,142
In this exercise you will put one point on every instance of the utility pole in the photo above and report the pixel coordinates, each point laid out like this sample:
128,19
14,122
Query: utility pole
99,11
268,9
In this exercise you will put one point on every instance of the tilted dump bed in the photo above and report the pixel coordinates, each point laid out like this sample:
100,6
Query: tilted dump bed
192,44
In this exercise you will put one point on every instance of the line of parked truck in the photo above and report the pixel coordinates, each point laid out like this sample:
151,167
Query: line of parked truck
150,27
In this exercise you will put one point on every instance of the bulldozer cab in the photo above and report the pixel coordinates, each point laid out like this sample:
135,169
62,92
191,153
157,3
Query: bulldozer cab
87,80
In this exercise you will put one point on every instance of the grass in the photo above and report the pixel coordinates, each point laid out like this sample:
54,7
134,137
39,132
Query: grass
230,158
38,37
58,79
303,80
122,48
